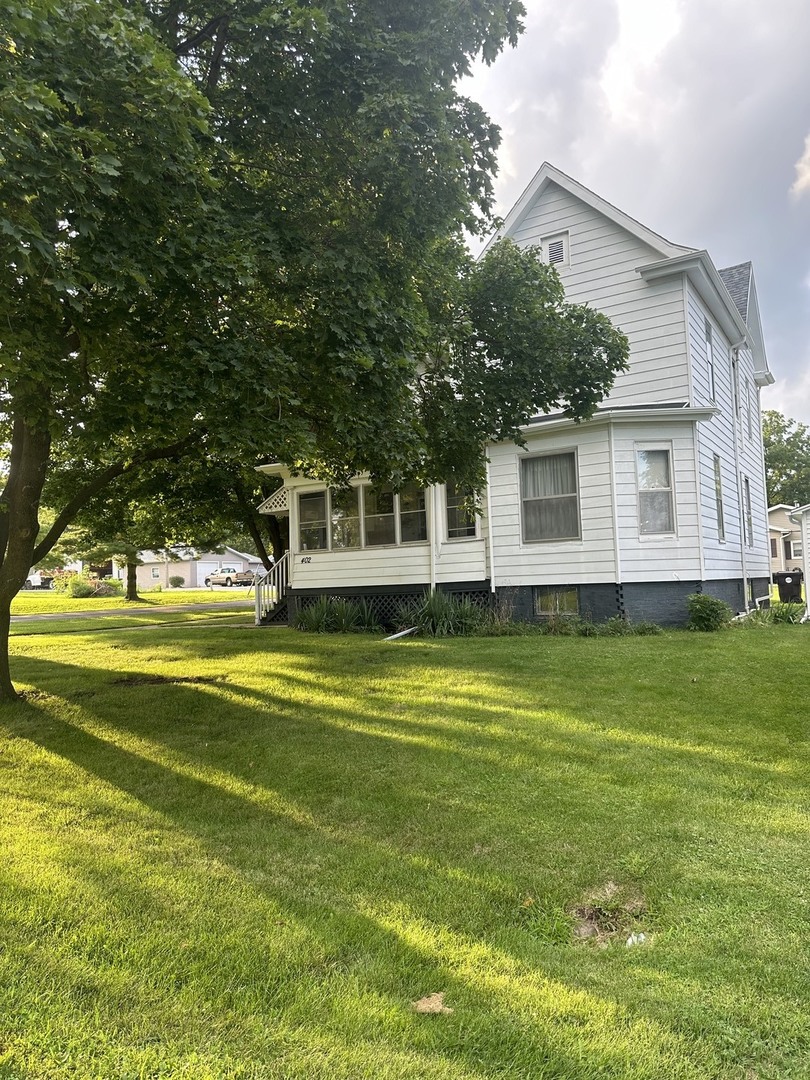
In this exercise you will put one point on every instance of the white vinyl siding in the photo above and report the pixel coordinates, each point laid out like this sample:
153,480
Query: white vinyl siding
602,272
716,438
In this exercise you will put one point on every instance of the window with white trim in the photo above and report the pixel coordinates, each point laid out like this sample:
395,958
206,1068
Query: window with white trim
555,249
718,498
461,522
710,361
155,572
379,517
345,518
750,408
656,505
412,514
550,497
749,517
312,534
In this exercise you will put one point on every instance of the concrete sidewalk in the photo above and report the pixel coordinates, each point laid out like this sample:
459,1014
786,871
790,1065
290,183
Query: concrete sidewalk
156,609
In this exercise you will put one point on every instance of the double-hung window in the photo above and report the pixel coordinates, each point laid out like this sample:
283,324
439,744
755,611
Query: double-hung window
749,516
710,361
656,505
550,497
460,521
718,498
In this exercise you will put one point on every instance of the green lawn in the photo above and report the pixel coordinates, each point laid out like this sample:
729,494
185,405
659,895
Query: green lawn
245,853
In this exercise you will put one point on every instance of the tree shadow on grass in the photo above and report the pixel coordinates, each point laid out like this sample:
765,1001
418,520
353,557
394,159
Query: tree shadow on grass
364,945
388,807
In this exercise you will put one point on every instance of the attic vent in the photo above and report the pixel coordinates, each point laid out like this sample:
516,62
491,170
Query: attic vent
555,249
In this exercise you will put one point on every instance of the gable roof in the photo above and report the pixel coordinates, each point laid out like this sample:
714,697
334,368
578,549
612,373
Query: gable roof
548,174
737,279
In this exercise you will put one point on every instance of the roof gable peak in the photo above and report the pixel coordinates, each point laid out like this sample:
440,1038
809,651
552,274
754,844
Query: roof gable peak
548,174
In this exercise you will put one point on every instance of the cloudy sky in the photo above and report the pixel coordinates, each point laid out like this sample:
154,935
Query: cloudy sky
692,116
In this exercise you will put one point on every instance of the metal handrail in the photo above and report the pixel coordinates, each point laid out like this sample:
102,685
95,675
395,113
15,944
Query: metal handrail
271,588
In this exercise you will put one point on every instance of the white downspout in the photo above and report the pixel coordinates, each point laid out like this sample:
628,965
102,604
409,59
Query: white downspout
735,403
490,538
614,506
434,536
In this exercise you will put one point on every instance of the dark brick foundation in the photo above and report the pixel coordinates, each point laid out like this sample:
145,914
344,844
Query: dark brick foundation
662,602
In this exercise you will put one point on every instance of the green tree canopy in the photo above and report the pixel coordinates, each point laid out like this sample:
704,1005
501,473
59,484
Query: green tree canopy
236,231
787,459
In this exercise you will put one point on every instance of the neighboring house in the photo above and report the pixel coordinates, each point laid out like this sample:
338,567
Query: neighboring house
785,539
661,494
193,566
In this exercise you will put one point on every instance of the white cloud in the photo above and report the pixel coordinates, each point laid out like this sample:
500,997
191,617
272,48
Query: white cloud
645,29
802,182
687,114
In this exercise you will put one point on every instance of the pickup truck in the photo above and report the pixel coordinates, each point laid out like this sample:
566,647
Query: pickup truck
228,575
39,579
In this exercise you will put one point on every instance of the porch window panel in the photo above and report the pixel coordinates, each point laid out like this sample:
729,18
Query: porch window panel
460,522
312,532
345,519
378,519
412,514
550,497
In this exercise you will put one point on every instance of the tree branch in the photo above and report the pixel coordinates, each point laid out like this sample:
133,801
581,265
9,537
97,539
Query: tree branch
98,483
205,34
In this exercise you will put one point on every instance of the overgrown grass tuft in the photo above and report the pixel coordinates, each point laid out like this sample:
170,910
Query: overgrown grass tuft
243,854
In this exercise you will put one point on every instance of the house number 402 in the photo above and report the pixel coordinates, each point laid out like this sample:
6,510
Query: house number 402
307,558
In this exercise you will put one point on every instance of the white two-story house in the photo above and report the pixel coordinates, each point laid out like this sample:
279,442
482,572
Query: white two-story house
659,495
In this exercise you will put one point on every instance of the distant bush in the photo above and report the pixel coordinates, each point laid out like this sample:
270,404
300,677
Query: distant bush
176,581
776,613
81,585
707,613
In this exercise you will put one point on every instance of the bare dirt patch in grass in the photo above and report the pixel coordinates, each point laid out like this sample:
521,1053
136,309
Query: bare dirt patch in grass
608,912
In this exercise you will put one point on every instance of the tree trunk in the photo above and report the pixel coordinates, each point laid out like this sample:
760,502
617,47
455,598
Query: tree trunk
132,581
19,525
7,691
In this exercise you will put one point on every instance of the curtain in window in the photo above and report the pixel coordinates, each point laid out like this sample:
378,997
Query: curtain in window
550,505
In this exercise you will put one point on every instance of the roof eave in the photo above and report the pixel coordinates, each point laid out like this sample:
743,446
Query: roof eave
625,416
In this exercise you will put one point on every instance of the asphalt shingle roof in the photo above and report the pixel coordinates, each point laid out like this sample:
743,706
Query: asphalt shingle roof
737,279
